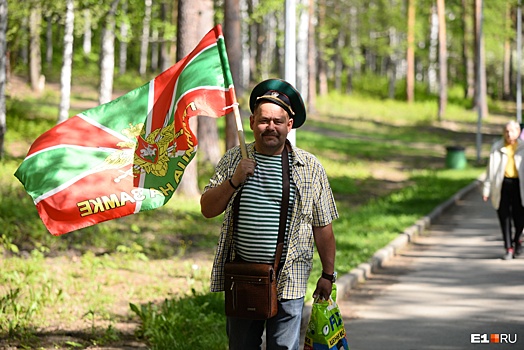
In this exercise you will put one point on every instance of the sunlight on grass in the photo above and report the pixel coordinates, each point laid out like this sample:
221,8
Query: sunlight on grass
389,111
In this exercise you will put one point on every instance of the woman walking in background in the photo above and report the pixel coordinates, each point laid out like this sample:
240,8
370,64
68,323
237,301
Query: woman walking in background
505,185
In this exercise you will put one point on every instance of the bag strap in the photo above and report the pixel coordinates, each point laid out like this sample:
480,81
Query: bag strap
284,207
283,212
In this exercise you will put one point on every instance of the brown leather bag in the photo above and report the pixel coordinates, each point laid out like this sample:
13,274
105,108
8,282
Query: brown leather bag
251,288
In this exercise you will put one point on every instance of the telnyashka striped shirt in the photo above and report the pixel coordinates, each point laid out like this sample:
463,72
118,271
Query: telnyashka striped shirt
259,211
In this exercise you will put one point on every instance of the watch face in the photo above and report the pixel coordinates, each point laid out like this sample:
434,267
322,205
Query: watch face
334,276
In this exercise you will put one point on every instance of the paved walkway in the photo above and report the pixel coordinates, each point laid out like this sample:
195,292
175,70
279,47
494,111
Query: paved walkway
447,287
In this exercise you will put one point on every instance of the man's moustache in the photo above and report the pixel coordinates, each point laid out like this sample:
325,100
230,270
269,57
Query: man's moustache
269,134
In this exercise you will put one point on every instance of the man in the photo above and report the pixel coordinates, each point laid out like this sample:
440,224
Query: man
276,108
504,183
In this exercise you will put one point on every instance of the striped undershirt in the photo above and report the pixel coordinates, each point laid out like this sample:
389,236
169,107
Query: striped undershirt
259,211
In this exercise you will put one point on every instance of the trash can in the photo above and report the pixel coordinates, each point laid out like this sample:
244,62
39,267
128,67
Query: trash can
455,157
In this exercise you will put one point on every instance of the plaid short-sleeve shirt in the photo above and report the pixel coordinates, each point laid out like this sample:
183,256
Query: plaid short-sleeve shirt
314,206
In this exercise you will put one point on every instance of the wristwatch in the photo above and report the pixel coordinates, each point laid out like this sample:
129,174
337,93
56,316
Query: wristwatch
332,278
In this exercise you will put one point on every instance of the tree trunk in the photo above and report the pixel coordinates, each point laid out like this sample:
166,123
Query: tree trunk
506,81
443,59
392,62
144,46
311,60
254,43
302,49
154,50
3,64
208,140
410,54
233,39
87,32
467,51
433,51
49,41
107,61
65,78
322,64
124,33
480,102
189,18
339,65
354,42
165,61
35,55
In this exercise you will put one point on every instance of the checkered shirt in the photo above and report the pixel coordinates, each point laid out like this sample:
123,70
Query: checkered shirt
314,206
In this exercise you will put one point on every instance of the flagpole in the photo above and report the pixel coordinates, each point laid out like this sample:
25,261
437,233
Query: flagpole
240,131
240,128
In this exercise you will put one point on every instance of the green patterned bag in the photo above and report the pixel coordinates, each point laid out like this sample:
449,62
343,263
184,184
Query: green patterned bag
326,330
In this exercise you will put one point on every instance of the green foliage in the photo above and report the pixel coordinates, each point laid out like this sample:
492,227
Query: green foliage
193,322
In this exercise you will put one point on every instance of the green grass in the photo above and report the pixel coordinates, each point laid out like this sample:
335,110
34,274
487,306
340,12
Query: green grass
357,139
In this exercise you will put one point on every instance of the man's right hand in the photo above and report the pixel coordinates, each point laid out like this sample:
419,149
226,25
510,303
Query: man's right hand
245,168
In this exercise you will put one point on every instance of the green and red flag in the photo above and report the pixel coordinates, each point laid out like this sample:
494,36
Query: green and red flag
127,155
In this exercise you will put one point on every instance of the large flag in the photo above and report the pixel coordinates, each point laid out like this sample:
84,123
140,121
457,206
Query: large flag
127,155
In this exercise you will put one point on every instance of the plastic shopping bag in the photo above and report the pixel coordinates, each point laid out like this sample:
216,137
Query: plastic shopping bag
326,330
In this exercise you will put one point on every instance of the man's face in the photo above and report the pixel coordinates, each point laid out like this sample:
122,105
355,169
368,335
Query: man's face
270,124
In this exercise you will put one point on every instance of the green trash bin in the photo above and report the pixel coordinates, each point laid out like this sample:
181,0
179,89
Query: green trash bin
455,157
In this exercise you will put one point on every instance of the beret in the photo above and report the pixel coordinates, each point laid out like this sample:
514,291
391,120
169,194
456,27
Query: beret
281,93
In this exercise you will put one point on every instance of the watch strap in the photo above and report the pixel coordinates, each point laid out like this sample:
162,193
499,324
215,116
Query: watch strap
328,276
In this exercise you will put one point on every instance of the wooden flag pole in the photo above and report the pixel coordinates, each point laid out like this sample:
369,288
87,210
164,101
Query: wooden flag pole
240,131
240,128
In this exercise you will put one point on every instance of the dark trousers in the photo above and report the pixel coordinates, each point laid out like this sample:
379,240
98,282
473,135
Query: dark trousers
511,208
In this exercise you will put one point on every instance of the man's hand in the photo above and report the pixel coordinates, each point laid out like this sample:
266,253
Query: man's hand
245,168
323,290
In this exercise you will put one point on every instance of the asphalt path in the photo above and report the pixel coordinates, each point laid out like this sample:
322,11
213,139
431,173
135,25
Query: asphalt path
447,288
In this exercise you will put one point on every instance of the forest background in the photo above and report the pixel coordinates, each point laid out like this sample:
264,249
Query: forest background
388,84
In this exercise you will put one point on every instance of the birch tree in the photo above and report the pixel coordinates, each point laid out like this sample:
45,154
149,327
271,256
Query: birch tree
506,89
467,50
107,61
3,46
433,51
443,59
86,43
146,27
410,74
322,63
65,78
480,101
49,40
302,48
124,37
312,58
165,61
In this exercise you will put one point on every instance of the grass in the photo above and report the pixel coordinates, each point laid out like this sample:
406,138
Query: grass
385,162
